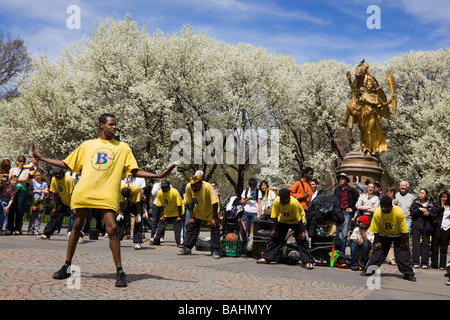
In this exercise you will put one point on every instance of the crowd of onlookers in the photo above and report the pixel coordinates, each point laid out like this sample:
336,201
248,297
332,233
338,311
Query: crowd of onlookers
24,187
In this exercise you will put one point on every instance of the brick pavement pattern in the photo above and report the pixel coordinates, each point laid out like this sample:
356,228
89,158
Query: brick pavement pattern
26,274
157,273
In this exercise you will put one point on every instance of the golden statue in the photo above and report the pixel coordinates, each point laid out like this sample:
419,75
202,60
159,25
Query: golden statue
367,106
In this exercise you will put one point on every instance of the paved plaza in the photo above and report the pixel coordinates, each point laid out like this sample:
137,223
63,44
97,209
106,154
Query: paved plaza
158,273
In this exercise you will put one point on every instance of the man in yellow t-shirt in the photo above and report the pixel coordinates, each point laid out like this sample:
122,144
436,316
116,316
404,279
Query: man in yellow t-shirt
287,213
389,225
103,162
203,204
62,186
130,206
171,209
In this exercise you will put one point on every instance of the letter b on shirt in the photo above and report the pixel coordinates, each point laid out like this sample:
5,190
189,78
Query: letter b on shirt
102,158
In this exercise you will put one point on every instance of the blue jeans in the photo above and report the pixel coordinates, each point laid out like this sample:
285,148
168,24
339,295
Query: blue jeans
3,204
344,227
354,251
250,217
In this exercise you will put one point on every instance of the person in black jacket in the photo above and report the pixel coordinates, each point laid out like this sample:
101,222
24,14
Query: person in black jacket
348,197
441,234
422,217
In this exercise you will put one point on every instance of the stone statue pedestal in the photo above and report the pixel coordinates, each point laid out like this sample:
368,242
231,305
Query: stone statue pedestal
356,163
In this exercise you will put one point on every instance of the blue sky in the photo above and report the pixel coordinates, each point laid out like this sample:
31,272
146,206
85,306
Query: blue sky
308,30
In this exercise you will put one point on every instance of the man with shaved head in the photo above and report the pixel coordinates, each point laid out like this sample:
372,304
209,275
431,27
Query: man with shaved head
404,200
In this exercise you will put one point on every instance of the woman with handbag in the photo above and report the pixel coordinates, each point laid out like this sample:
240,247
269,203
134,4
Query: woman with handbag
266,201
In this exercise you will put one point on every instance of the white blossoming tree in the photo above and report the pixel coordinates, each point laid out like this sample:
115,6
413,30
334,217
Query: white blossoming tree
158,84
418,137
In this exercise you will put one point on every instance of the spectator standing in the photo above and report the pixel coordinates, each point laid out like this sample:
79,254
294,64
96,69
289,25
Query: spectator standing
362,187
422,217
5,167
348,197
7,193
32,167
216,189
155,211
314,183
301,189
251,200
441,236
405,200
268,196
377,190
19,205
37,189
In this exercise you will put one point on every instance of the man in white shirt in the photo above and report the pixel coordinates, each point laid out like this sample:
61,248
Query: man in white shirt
314,186
251,200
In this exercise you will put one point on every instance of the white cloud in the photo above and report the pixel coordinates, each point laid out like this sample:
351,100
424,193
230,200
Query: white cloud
428,11
249,10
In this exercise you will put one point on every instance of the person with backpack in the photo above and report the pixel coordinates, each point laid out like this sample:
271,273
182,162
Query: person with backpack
301,189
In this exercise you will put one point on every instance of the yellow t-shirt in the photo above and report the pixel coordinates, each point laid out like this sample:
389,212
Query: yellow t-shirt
204,200
290,213
391,224
170,200
136,193
103,162
63,188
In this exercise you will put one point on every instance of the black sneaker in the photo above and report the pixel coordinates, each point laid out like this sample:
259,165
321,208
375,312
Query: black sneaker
410,278
120,279
62,273
183,252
